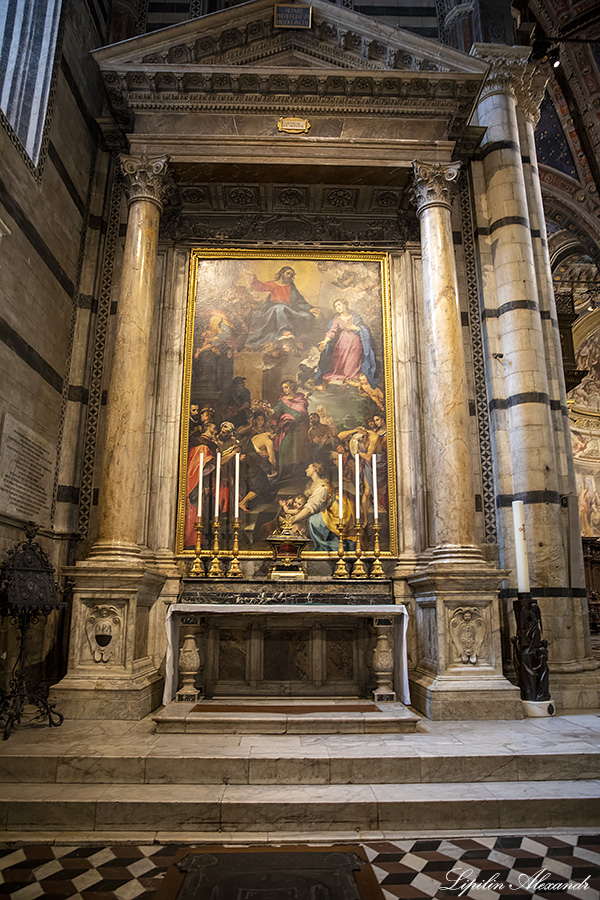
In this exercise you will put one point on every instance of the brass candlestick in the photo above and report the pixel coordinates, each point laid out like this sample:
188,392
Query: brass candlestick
234,568
359,570
197,570
341,570
376,570
215,570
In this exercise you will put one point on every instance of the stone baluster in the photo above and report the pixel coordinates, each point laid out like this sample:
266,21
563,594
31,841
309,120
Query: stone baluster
124,463
189,665
447,432
383,660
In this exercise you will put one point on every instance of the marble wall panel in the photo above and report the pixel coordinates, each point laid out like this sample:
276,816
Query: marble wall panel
232,654
340,644
286,654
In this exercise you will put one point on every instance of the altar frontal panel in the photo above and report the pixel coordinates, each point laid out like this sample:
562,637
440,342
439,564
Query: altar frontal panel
288,364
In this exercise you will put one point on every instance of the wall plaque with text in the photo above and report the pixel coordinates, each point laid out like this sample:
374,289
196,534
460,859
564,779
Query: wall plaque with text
292,16
26,472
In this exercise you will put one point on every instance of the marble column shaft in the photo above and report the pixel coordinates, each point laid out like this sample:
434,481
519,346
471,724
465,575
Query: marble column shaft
447,430
527,397
125,465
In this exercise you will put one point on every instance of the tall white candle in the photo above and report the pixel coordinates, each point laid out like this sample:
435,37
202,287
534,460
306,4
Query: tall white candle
237,487
357,487
375,497
200,485
218,486
340,496
520,547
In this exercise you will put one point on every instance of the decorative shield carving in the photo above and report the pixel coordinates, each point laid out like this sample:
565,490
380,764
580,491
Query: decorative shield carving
103,628
467,630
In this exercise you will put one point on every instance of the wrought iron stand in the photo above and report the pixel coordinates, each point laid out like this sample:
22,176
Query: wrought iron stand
27,593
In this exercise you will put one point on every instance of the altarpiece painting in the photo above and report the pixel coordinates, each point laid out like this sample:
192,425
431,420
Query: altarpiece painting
288,364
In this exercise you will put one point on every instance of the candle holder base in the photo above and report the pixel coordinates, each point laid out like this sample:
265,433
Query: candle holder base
198,570
376,569
234,570
358,569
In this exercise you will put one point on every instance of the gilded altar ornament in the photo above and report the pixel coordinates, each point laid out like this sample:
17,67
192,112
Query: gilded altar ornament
341,569
358,570
293,125
287,543
234,567
197,570
215,570
376,568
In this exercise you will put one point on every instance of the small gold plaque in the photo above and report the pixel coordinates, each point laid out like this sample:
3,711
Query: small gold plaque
291,125
289,15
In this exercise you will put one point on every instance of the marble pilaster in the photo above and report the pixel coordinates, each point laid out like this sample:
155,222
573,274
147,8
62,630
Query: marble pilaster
459,661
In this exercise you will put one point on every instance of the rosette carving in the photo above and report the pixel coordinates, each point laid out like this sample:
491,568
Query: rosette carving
434,184
146,179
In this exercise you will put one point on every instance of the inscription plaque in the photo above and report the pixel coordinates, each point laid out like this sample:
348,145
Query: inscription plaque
27,469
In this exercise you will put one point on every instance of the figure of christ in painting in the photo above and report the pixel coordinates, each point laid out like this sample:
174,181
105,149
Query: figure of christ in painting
291,507
201,444
346,349
291,416
260,468
322,511
285,315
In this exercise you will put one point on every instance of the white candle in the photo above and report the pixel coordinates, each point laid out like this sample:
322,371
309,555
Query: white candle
375,498
357,487
218,486
520,547
200,479
340,496
237,487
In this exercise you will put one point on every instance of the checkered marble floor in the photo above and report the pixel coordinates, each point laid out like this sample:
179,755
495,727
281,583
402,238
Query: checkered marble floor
502,867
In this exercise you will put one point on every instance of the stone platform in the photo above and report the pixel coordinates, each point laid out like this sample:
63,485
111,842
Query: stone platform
95,777
184,718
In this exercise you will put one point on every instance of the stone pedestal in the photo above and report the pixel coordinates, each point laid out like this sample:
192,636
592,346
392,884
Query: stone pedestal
111,674
459,669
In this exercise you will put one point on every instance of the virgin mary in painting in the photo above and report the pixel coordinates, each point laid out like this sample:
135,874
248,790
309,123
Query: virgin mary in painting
346,349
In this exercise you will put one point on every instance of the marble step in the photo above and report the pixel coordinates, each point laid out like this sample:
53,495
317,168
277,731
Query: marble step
279,808
181,718
292,761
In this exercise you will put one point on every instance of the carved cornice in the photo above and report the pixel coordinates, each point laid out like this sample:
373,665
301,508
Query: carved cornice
434,184
146,179
508,67
530,94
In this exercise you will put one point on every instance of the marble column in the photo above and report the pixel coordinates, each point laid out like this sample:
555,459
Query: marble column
456,593
447,434
525,400
124,464
116,590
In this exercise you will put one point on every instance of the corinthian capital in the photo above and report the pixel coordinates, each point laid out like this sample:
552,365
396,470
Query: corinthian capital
508,66
530,95
146,179
434,184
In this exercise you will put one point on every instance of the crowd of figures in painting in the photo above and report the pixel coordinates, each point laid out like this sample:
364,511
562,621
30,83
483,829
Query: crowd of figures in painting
286,368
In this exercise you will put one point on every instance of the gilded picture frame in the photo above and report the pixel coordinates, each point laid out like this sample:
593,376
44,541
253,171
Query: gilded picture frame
288,363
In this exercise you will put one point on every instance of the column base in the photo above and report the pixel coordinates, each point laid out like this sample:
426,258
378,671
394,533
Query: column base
577,690
451,698
458,672
111,674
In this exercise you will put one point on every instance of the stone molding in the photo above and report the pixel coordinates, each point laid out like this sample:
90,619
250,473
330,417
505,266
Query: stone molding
146,179
434,184
508,68
530,93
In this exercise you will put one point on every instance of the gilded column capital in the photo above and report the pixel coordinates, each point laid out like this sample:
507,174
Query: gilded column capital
434,184
508,67
146,179
530,95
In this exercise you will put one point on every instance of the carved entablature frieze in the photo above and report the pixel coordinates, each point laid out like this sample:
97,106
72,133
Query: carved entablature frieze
508,68
146,179
308,229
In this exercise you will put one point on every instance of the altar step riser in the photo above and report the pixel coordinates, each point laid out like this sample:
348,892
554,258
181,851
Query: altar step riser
238,808
294,770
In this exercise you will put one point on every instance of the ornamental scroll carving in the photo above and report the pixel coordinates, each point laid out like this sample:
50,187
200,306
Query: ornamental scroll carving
530,94
146,179
103,628
467,630
434,184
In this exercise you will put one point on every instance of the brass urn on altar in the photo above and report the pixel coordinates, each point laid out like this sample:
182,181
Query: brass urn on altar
287,543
